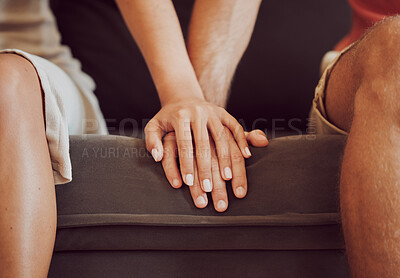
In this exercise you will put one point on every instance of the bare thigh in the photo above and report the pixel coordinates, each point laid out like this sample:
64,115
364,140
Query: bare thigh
27,193
341,89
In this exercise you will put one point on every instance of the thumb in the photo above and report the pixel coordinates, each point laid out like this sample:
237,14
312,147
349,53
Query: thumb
256,138
154,133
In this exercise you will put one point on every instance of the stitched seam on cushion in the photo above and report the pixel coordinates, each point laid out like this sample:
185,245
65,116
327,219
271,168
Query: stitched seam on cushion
112,219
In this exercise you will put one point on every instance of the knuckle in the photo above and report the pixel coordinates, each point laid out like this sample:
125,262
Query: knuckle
203,145
215,165
167,163
150,126
214,118
187,168
220,135
182,114
238,132
149,144
227,134
203,156
239,129
203,166
223,152
219,191
240,178
168,168
237,158
204,172
224,158
198,109
185,145
203,152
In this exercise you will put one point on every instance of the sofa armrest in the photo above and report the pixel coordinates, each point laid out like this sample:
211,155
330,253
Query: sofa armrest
119,199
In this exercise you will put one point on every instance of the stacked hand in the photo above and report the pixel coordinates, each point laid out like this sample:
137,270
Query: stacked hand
210,144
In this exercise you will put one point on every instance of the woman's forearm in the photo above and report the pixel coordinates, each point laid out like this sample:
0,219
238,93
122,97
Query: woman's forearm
155,28
219,33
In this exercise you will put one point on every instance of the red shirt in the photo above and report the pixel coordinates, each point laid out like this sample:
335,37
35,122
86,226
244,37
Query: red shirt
365,14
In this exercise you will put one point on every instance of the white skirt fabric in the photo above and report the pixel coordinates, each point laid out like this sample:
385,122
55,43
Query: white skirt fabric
70,109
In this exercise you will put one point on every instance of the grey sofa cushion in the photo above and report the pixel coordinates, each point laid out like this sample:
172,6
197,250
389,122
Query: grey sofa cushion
200,264
119,199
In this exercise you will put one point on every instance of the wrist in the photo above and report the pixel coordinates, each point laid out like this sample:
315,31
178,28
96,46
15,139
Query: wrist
175,98
174,90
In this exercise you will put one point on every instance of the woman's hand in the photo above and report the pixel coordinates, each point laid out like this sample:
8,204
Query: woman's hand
239,181
194,120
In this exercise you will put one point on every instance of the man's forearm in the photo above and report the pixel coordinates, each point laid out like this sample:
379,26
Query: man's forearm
219,33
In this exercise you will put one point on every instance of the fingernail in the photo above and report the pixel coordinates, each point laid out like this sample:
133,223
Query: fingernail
156,155
201,201
221,205
228,173
247,151
175,182
207,185
240,191
189,179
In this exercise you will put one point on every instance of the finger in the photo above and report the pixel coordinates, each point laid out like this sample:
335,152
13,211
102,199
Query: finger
154,133
185,149
198,195
219,196
203,155
239,179
256,138
219,135
169,162
238,132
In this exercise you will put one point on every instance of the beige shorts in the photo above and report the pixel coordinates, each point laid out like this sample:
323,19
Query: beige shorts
70,108
318,120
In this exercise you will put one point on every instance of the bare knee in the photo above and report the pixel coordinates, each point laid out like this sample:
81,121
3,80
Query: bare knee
378,56
19,86
15,72
378,52
15,66
364,81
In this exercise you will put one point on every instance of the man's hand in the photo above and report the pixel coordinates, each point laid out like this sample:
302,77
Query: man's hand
202,119
239,182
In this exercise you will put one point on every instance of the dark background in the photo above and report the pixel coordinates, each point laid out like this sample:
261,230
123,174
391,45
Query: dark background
274,84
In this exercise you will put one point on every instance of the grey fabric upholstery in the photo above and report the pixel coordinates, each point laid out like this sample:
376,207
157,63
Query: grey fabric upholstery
120,204
200,264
